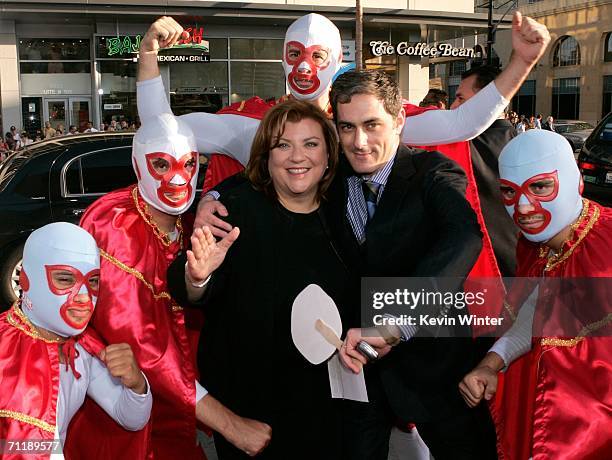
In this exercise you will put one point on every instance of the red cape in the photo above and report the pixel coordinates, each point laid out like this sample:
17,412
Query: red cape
29,378
555,402
485,273
134,307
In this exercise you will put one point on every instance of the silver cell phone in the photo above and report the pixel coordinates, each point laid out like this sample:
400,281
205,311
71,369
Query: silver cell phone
367,350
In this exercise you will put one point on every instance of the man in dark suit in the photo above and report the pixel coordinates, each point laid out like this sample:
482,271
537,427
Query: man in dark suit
399,212
485,150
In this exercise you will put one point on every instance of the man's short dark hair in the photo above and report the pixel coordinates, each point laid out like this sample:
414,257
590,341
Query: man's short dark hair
485,74
434,96
374,82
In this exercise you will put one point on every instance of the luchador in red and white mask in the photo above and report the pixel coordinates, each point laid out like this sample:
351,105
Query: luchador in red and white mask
165,160
59,278
540,183
312,55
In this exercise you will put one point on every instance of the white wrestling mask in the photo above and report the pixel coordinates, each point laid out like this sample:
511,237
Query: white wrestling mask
537,168
312,55
61,262
165,159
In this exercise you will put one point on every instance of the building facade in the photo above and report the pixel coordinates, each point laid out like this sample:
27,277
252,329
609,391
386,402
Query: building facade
76,62
574,77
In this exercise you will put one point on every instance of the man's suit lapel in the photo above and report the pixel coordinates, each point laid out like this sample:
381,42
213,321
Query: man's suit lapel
338,197
390,203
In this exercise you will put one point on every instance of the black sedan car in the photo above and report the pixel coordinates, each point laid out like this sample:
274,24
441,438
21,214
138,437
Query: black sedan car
595,161
575,131
55,180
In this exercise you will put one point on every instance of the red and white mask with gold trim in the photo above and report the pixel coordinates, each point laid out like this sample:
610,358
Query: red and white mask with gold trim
60,276
165,159
540,184
312,55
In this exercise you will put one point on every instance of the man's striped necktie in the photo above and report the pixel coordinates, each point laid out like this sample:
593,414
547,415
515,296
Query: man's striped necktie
370,193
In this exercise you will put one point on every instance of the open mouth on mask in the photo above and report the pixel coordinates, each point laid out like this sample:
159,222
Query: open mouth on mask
176,196
78,315
303,83
532,223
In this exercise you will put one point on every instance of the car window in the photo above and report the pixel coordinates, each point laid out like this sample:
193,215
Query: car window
107,170
606,132
104,171
73,178
562,129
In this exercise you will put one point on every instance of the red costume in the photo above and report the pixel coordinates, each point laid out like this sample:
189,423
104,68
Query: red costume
28,400
555,402
486,264
134,307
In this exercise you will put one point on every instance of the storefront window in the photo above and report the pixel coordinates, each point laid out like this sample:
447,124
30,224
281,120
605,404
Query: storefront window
53,49
246,48
457,68
55,67
55,78
263,79
198,87
118,91
218,48
387,63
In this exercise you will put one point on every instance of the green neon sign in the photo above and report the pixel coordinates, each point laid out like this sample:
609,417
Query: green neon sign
123,45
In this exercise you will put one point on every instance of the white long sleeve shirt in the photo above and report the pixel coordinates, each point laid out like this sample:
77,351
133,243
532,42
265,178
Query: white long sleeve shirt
233,135
517,340
128,409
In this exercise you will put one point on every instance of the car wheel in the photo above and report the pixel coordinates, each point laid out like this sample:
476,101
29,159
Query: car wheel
10,270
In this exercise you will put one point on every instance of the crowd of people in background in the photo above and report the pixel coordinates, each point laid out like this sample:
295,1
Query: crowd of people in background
15,140
523,123
438,98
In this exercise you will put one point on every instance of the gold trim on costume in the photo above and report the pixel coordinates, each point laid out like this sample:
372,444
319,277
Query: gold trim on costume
510,311
241,108
26,326
555,259
135,273
27,419
161,236
586,331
